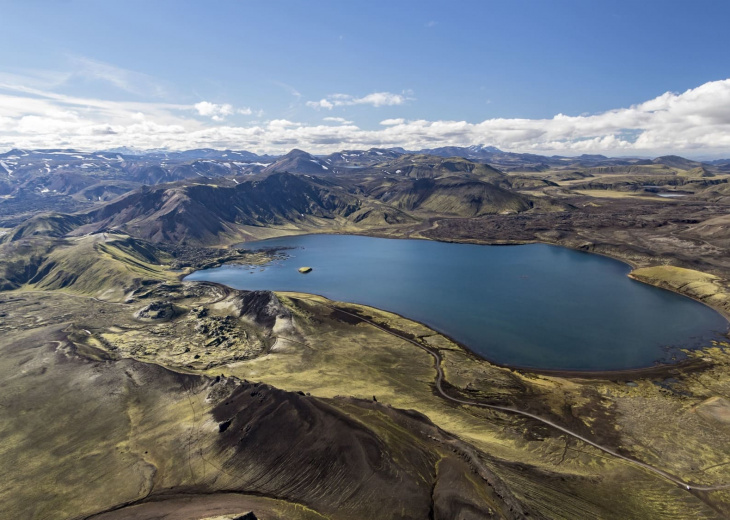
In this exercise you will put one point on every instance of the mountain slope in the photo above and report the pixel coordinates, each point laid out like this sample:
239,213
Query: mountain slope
697,172
298,161
111,436
105,266
202,213
450,196
47,225
362,158
674,161
431,167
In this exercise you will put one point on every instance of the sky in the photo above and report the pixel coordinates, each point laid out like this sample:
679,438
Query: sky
635,77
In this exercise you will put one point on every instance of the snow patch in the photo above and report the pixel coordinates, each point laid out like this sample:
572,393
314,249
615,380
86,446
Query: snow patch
7,168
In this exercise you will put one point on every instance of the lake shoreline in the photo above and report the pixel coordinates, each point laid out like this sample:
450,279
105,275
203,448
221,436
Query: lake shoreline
659,369
632,264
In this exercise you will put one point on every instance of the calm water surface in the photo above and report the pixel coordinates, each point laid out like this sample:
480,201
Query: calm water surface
533,305
672,195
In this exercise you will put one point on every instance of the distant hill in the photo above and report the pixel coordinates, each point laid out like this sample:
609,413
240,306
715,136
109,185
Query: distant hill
718,193
217,210
697,172
422,166
468,152
674,161
525,162
47,225
450,196
66,180
203,213
62,181
61,172
506,161
103,265
299,161
378,162
362,158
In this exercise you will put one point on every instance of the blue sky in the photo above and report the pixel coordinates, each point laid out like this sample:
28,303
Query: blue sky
325,75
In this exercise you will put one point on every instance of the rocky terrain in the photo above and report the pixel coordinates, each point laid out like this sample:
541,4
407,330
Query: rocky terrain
127,393
154,412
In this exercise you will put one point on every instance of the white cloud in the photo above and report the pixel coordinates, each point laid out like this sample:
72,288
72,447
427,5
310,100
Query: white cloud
376,99
219,112
322,103
214,111
695,122
392,122
340,120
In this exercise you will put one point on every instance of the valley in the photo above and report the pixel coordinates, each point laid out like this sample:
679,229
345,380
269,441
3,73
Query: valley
177,397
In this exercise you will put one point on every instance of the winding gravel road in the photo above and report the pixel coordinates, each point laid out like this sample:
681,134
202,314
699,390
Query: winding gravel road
439,382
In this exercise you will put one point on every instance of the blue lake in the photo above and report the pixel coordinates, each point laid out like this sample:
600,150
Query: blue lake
534,305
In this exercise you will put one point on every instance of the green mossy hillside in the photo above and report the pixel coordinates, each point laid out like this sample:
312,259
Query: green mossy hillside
103,265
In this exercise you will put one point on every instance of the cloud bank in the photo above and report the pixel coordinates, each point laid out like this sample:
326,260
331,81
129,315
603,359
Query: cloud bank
695,123
376,99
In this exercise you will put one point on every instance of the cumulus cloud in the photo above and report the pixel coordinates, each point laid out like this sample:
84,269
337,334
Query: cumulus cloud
214,111
376,99
219,112
695,122
391,122
340,120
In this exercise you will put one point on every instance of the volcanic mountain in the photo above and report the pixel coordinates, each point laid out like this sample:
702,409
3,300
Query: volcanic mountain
298,161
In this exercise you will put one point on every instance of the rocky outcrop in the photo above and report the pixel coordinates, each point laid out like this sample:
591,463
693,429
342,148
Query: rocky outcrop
156,311
263,308
247,516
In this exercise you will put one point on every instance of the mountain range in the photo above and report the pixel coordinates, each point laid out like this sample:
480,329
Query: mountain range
207,196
